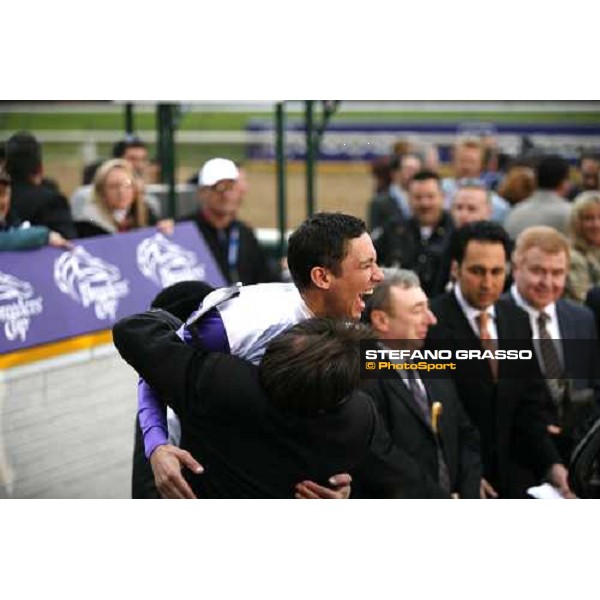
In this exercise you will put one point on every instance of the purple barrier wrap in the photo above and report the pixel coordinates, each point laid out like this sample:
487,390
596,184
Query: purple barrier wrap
49,294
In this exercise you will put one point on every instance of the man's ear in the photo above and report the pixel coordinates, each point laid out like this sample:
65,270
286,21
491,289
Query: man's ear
380,321
454,270
321,277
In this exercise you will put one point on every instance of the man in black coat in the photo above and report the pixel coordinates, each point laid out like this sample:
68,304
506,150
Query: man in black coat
564,332
33,200
232,242
262,429
504,399
421,242
444,449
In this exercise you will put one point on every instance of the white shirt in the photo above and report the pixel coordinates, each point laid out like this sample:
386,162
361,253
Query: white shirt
551,324
258,314
550,310
472,314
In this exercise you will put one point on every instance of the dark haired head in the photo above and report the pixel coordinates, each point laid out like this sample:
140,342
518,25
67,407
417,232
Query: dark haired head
23,156
121,147
313,366
551,171
321,241
89,171
425,175
183,298
480,231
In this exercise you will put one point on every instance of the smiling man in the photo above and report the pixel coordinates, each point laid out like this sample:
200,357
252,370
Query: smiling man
333,264
421,242
505,401
444,453
540,267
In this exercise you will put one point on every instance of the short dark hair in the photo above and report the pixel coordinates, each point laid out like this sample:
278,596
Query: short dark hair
426,175
480,231
313,366
89,172
23,156
321,241
130,141
551,171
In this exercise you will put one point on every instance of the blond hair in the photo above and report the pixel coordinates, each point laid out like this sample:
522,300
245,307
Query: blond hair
547,239
138,210
582,202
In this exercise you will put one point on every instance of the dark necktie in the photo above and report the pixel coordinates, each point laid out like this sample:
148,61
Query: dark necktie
487,342
553,370
552,367
420,397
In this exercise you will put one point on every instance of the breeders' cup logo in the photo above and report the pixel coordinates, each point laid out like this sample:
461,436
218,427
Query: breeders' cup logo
165,263
17,306
89,280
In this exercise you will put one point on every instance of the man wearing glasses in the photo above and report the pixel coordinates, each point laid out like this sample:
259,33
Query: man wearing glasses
231,241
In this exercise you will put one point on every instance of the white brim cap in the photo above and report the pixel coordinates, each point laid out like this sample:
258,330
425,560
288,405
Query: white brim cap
217,169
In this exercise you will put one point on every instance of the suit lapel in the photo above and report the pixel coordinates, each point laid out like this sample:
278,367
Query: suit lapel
405,396
458,323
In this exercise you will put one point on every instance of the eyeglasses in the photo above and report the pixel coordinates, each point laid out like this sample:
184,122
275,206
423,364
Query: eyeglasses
113,187
223,186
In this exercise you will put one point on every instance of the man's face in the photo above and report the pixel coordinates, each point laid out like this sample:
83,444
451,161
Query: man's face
408,316
358,275
590,174
4,200
482,273
138,157
223,198
541,276
468,162
409,166
426,201
470,204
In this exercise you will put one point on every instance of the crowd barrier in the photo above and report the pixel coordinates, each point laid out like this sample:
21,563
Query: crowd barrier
48,295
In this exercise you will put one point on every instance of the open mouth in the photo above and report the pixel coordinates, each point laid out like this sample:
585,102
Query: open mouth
363,298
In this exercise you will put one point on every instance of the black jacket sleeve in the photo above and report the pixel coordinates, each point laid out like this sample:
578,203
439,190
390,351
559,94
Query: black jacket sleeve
150,344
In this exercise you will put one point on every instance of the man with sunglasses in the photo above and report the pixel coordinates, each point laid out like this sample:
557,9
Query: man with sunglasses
231,241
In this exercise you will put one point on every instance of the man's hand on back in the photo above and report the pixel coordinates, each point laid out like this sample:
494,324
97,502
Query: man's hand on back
166,462
340,489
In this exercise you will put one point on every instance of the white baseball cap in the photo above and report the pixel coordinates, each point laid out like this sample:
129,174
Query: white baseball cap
217,169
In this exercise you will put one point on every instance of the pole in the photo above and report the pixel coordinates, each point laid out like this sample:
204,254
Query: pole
129,121
166,153
281,172
310,158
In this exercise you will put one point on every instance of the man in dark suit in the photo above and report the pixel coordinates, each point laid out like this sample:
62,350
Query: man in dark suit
232,242
445,449
260,430
540,267
420,242
503,398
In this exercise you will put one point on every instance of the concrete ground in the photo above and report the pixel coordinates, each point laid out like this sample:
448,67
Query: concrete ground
66,427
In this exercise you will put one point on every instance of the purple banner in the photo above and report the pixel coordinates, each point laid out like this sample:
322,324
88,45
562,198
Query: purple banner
50,294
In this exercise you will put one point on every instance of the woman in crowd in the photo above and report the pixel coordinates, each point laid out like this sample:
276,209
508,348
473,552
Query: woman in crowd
116,203
584,272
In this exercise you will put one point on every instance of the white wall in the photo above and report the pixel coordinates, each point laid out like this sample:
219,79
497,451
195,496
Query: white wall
66,427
